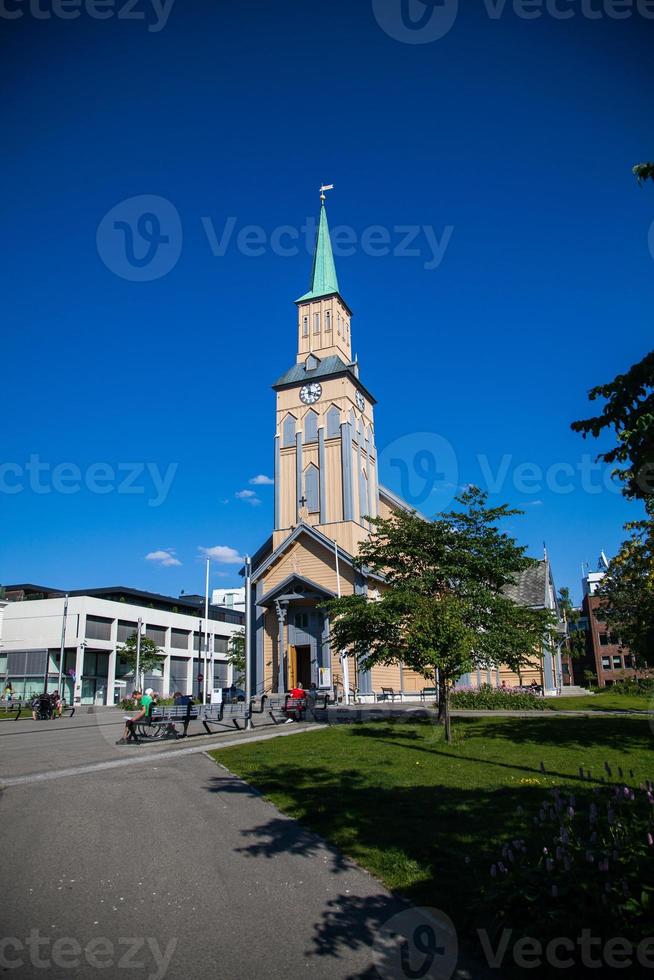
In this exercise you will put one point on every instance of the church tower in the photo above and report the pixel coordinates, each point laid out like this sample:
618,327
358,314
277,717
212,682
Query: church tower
325,456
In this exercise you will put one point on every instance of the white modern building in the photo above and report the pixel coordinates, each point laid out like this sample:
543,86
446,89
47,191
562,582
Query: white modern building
231,598
98,621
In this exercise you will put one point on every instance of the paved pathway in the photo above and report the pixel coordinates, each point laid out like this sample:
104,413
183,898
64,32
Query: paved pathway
153,863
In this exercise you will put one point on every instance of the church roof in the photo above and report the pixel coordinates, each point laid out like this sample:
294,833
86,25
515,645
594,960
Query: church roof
531,587
331,366
323,273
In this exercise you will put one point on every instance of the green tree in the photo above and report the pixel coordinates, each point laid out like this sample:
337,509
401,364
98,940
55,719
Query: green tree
575,643
627,592
443,609
643,172
236,656
629,412
151,656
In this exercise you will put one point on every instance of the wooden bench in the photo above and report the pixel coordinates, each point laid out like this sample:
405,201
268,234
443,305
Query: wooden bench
388,694
428,692
224,715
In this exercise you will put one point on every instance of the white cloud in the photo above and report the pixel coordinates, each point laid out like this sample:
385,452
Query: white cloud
261,481
249,496
222,554
164,558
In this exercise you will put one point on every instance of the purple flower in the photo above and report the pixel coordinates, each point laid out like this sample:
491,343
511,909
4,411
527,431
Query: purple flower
650,840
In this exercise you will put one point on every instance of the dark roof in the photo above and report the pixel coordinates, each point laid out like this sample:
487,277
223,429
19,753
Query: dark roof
115,593
331,366
530,588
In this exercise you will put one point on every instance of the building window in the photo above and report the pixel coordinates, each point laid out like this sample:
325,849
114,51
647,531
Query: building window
363,495
98,628
338,324
305,326
606,663
302,620
333,422
288,431
312,488
157,634
328,320
311,427
604,639
316,322
125,630
179,639
617,662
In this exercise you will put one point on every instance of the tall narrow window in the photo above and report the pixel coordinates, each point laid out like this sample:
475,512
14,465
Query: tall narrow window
328,321
311,427
305,326
312,488
338,324
333,422
363,495
288,431
316,322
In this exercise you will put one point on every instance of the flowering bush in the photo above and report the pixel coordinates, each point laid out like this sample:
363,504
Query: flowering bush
496,698
589,864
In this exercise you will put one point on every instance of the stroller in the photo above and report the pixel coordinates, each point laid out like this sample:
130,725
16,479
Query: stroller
42,706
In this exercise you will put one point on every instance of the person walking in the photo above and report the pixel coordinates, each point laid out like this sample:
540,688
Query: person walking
8,693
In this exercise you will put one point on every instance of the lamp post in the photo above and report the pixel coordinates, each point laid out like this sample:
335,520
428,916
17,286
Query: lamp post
206,634
246,642
137,672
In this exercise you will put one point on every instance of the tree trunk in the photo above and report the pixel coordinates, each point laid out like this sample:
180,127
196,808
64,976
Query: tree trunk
446,711
440,688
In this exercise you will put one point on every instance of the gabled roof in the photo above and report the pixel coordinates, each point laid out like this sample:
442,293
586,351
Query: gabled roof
331,366
532,587
302,529
323,273
296,584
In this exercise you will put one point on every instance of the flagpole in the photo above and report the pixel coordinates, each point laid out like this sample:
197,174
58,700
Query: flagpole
62,649
344,657
206,631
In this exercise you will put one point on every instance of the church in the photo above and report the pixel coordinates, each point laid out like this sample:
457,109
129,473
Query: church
326,485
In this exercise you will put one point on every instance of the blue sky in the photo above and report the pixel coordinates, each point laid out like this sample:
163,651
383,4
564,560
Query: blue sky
503,148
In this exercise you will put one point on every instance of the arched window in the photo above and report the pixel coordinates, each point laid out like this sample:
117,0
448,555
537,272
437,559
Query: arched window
311,426
338,324
333,422
288,431
312,488
305,326
363,494
328,320
316,322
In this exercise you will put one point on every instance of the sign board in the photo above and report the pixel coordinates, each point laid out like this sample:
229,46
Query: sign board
324,677
217,695
120,683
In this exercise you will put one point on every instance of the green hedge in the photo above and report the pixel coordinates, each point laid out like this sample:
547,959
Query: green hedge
489,698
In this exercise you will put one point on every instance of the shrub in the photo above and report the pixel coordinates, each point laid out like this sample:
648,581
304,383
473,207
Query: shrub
589,863
496,699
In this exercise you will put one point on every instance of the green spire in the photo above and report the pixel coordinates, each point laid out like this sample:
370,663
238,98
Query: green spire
323,273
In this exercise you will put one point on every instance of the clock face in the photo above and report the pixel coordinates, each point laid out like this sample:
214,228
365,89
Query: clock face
360,400
310,393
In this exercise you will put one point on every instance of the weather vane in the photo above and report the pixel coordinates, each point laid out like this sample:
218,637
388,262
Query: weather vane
323,188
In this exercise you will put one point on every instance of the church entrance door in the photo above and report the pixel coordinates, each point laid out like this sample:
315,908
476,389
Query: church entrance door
300,664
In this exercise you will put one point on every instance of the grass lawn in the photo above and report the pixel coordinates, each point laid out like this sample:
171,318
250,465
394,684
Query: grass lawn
410,808
606,701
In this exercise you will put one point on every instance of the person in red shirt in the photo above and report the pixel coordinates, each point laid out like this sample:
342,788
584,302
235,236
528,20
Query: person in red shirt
295,710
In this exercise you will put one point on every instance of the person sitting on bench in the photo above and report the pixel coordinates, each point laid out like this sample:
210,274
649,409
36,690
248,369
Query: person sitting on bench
142,702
